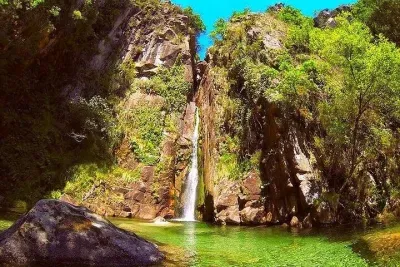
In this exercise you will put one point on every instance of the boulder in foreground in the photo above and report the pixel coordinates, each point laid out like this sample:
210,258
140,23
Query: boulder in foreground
57,233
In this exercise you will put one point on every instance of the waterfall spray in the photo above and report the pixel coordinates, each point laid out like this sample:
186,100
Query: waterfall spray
193,177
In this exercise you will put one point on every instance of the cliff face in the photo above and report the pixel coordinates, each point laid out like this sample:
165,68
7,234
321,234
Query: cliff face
150,40
117,80
258,158
283,183
274,149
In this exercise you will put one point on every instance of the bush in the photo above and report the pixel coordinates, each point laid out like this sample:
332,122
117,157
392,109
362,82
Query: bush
143,126
291,15
170,83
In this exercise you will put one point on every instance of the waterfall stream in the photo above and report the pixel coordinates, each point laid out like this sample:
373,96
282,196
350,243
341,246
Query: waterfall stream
193,178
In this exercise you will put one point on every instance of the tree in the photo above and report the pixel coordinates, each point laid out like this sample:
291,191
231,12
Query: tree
381,16
361,106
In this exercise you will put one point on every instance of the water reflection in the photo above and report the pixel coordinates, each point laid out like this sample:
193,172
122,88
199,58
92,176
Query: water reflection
189,233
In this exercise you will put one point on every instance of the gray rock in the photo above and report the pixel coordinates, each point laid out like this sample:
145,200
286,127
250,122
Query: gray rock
57,233
249,216
271,42
326,18
230,215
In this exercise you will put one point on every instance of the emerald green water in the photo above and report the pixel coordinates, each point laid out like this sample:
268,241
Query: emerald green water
200,244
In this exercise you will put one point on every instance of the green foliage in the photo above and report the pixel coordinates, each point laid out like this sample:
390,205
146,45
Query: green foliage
143,125
258,78
127,71
195,21
299,36
48,132
229,166
291,15
240,15
170,83
366,100
381,16
77,15
219,31
342,84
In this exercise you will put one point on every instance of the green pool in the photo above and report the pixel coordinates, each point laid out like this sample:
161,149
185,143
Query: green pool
200,244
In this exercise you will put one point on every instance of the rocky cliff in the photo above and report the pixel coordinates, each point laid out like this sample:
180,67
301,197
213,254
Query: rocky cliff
261,160
117,79
150,40
120,82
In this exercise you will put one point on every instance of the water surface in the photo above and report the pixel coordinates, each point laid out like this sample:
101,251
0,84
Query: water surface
200,244
211,10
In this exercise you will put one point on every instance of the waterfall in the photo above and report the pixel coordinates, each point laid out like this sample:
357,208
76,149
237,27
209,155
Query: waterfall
193,178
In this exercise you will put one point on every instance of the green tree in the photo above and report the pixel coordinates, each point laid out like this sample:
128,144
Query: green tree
381,16
195,21
362,104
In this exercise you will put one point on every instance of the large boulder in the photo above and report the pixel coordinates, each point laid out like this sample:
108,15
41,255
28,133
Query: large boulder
58,233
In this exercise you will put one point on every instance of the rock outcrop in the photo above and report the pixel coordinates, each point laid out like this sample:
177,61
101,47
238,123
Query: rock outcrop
57,233
286,183
240,202
326,18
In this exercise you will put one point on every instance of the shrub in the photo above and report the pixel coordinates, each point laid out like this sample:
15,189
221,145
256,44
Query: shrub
143,126
170,83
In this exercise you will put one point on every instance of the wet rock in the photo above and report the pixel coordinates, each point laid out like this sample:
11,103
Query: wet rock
230,215
56,233
269,218
307,222
252,187
147,212
228,196
125,214
249,216
295,222
284,225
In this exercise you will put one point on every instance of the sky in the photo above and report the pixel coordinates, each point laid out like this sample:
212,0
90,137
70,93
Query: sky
211,10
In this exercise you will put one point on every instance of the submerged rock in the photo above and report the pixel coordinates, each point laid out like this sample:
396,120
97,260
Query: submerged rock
55,232
159,219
